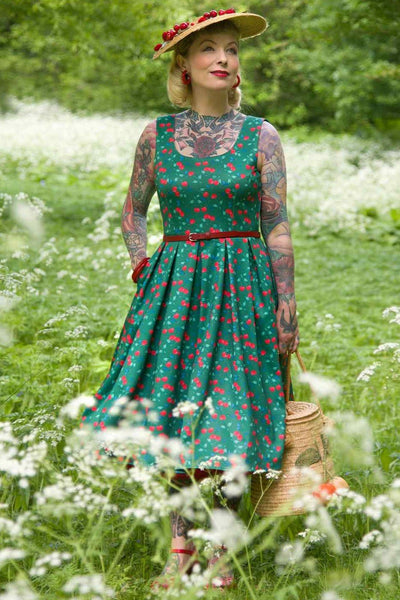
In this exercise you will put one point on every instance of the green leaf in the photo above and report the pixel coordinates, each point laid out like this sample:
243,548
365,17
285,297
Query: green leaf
308,457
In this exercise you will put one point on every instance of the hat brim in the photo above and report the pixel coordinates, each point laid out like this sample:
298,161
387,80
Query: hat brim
248,24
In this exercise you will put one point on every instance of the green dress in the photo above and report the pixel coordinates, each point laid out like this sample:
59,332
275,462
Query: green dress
202,323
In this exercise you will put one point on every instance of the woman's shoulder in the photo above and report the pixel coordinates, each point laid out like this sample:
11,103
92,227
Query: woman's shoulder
148,135
268,133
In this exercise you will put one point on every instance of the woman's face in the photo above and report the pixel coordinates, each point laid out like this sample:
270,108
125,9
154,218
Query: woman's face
213,60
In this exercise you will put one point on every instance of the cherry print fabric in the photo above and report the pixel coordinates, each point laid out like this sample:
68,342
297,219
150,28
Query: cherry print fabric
202,322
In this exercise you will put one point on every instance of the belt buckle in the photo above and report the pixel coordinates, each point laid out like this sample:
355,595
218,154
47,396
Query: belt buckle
189,237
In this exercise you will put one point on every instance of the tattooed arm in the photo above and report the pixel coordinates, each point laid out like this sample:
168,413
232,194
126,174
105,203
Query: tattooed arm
276,233
140,192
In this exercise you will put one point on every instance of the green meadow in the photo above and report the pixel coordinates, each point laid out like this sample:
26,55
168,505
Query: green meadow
74,527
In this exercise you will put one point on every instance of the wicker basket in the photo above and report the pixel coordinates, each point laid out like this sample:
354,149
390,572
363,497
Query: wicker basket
306,445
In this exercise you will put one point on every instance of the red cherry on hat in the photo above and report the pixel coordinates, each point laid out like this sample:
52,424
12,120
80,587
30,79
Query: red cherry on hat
213,13
183,26
165,36
201,19
177,27
221,12
157,47
206,15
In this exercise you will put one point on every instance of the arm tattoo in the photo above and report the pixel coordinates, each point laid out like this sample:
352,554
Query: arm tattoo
140,192
274,221
288,325
180,525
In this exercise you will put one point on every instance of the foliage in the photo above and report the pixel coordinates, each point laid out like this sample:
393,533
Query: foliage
330,64
75,526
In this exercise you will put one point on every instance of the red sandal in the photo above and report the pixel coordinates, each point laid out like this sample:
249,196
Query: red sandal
166,581
219,581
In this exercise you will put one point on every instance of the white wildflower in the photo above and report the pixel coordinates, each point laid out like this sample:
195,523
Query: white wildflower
348,501
367,373
313,536
378,506
372,537
209,405
330,595
321,520
387,346
184,408
67,497
27,215
18,590
80,332
88,584
54,559
234,477
321,386
75,406
353,438
10,554
225,529
289,553
385,555
392,309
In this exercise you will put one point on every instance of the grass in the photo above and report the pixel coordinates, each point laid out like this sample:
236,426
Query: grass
79,278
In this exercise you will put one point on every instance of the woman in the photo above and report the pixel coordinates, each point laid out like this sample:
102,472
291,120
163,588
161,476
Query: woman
214,310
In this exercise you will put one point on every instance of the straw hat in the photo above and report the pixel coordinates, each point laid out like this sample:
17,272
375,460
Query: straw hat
248,24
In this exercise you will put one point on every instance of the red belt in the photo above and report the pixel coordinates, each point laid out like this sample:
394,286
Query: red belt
207,235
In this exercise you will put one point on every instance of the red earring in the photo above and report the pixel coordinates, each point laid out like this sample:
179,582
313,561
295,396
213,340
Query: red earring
186,79
237,82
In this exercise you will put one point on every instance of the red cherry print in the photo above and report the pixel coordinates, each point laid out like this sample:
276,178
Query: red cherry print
192,285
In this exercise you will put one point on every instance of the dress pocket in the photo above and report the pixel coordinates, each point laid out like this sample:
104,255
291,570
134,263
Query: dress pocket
147,267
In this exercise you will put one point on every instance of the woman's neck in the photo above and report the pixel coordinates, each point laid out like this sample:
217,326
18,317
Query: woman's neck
214,106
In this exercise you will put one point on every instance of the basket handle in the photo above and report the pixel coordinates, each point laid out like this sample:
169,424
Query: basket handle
286,383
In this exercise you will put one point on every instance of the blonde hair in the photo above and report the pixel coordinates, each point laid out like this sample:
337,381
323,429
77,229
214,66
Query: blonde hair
181,94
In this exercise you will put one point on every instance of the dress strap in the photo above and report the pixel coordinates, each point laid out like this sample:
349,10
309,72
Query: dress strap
165,130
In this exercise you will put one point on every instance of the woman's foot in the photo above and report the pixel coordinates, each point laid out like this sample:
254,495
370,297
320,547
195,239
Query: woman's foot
224,577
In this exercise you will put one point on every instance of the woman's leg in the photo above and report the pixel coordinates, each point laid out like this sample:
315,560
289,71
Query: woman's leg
180,526
224,575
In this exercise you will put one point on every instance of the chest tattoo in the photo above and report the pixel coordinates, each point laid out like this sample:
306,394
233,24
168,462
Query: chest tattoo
202,136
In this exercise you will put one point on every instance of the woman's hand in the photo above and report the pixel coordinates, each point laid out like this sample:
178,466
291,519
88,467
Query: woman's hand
286,323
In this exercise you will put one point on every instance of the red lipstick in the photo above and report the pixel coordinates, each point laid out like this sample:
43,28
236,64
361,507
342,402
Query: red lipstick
220,73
